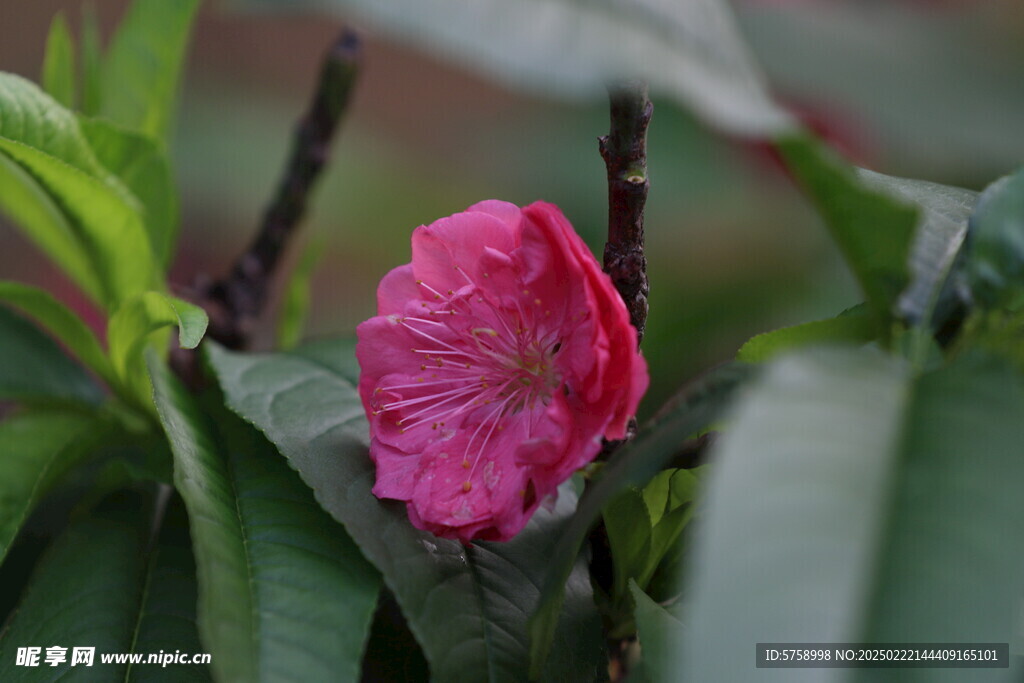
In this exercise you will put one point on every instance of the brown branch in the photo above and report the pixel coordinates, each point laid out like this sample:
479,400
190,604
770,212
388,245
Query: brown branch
236,301
624,151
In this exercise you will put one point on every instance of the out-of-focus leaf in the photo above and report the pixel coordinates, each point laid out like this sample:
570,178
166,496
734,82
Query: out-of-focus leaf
37,448
54,188
930,87
142,165
295,308
142,66
84,592
481,594
659,631
129,328
938,239
63,324
35,369
853,501
688,50
91,58
854,325
995,261
701,404
59,63
284,594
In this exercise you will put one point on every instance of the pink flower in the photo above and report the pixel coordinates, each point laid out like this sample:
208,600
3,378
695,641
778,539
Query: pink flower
498,359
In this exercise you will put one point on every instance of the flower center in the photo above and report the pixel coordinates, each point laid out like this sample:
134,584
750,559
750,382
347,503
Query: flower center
483,361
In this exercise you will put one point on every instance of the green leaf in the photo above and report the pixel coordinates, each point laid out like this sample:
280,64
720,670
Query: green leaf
642,526
691,51
336,355
628,522
53,187
295,308
38,448
101,585
92,58
854,325
59,63
142,66
853,501
142,165
873,229
899,236
674,492
167,614
698,406
480,595
995,262
84,592
129,328
938,239
33,119
36,369
659,631
62,323
284,594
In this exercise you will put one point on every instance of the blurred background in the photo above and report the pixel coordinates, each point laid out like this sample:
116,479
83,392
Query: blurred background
915,88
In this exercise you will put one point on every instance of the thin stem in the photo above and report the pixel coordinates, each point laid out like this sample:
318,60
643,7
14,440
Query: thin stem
624,151
239,298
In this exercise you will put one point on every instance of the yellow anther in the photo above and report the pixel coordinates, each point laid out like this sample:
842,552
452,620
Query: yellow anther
467,486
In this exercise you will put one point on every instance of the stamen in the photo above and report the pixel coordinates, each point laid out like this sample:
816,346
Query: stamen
420,383
421,399
430,289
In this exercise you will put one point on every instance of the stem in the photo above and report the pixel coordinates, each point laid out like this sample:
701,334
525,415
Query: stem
237,300
624,151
